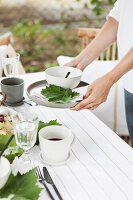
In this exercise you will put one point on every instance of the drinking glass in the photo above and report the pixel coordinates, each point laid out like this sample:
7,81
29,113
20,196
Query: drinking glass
10,65
25,133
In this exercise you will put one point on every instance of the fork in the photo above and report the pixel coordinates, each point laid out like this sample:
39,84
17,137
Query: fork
42,180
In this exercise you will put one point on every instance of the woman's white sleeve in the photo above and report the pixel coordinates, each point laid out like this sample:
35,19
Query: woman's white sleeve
115,12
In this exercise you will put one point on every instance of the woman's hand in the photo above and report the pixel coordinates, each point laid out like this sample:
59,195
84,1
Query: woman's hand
80,62
105,38
96,94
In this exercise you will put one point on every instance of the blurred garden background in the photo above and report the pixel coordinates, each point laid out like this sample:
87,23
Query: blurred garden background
45,29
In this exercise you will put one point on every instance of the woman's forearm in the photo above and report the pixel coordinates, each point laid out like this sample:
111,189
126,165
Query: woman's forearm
105,38
125,65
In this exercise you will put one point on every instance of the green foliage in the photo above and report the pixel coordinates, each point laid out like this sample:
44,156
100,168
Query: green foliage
27,29
31,69
30,32
40,45
50,123
99,6
12,150
50,65
58,94
59,38
22,187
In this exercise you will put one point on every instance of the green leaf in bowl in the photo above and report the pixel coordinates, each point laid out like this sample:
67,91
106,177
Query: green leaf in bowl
58,94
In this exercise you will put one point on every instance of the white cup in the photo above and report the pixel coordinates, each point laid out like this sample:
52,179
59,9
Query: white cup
55,151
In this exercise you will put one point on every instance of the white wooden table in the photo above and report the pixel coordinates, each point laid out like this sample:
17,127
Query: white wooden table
101,164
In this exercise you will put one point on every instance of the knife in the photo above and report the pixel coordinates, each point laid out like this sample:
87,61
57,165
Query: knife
45,186
50,181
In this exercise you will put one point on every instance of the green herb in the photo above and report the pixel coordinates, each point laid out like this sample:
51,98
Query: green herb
12,150
22,187
58,94
50,123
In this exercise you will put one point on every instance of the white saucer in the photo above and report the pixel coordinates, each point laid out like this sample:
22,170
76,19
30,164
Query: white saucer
55,164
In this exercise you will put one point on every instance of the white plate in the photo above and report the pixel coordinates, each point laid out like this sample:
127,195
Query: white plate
6,110
55,164
33,92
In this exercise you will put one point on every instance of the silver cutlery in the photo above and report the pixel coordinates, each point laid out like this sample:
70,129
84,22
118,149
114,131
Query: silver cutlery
42,180
50,181
29,102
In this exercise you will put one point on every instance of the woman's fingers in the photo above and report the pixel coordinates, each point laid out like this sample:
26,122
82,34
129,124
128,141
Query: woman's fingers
82,64
77,62
82,104
72,63
91,106
94,107
96,94
89,91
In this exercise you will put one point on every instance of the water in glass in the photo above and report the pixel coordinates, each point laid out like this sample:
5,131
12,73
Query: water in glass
25,133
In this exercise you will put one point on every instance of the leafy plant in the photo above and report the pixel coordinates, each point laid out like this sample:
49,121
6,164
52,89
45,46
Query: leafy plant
50,123
21,187
30,32
27,29
12,150
98,5
59,38
58,94
31,68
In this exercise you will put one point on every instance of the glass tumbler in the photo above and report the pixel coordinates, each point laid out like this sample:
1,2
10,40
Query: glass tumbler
11,65
25,134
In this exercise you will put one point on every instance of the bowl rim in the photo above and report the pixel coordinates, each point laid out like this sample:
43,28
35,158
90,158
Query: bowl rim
63,77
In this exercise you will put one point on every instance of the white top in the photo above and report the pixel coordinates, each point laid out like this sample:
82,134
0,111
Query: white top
101,164
123,13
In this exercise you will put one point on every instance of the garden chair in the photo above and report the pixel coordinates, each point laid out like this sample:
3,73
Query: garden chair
88,34
6,40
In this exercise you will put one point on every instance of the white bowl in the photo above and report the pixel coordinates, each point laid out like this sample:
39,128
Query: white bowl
56,76
5,170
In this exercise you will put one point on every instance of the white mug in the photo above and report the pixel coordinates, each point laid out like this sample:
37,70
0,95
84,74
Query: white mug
55,143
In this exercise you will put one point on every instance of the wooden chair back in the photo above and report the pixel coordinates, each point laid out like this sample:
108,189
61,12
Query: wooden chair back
6,40
88,34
